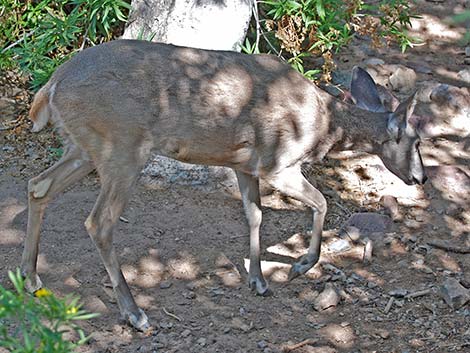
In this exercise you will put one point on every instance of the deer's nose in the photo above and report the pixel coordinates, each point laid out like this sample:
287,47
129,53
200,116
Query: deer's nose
421,180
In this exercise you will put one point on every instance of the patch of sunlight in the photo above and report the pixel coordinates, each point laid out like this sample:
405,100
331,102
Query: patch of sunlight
72,282
380,180
369,276
183,268
449,263
43,265
397,248
227,271
8,235
130,273
457,225
150,272
339,336
435,28
94,304
455,123
144,301
293,247
275,271
11,237
229,278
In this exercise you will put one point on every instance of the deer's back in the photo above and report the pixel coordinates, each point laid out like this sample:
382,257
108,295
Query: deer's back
199,106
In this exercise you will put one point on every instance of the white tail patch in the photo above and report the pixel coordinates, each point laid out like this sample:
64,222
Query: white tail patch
40,112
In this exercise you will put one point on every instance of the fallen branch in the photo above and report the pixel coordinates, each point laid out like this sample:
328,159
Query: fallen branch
448,247
171,315
291,347
419,293
389,305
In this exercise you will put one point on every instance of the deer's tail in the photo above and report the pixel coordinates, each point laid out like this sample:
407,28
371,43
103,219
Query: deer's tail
40,112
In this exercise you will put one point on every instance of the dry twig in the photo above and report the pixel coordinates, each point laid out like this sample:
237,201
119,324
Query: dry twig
171,315
291,347
449,247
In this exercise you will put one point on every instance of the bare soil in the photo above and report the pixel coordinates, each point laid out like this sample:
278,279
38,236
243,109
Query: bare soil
183,249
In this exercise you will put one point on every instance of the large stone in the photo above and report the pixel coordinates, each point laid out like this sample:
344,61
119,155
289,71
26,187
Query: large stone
454,294
451,181
365,223
403,79
327,299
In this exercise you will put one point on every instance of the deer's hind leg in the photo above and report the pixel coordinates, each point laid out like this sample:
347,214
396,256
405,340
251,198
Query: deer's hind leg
72,167
118,174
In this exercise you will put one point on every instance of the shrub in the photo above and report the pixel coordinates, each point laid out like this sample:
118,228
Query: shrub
299,29
40,35
31,324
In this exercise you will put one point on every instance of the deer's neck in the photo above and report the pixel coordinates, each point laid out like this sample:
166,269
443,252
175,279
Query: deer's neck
352,128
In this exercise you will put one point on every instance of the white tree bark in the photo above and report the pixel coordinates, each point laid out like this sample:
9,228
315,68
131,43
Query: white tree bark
208,24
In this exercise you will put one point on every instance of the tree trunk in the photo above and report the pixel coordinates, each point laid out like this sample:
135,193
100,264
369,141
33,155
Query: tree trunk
208,24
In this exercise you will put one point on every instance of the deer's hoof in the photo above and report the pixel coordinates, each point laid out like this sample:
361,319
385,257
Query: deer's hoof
32,283
140,321
260,286
300,267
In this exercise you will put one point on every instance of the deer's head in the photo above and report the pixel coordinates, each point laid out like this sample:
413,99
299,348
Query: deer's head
399,150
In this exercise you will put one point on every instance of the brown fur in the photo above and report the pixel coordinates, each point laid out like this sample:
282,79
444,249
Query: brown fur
41,99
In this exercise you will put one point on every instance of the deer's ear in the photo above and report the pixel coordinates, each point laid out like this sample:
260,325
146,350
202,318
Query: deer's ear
405,112
364,91
407,107
400,121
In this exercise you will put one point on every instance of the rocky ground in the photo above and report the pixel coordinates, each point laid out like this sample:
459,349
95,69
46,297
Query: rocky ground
183,245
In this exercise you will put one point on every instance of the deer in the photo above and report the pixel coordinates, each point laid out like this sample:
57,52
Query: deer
118,102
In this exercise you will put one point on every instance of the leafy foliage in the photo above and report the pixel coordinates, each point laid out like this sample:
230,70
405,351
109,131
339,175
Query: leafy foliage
38,325
40,35
299,29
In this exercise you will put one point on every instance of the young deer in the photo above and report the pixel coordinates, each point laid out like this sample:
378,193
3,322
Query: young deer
118,102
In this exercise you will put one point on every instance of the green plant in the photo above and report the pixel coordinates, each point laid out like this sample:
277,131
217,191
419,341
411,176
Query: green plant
462,18
300,29
40,35
38,324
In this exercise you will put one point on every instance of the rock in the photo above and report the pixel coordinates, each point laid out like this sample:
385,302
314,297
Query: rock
165,284
403,79
447,96
328,298
454,294
452,180
467,51
261,344
398,292
166,325
339,245
382,333
351,232
464,75
186,333
366,223
419,67
202,341
373,61
390,204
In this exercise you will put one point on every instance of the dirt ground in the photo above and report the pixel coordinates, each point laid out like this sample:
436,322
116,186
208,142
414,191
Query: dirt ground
184,249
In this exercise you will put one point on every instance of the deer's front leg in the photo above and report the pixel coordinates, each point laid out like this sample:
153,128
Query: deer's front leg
292,183
249,189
